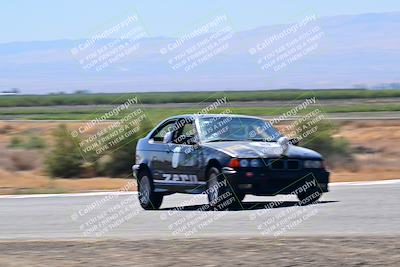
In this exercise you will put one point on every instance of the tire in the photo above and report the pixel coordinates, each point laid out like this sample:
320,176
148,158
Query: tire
148,199
310,196
220,196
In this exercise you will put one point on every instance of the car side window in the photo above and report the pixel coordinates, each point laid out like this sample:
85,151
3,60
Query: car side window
159,134
186,134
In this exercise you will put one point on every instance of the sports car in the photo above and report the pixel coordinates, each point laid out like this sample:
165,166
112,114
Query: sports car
226,157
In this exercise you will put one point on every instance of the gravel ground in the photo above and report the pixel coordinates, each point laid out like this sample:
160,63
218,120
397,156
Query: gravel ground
288,251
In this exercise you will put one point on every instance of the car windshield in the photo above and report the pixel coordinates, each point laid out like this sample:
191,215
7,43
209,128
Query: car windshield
218,129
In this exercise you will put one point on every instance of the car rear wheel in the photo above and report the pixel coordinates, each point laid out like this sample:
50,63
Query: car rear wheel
310,196
148,199
219,192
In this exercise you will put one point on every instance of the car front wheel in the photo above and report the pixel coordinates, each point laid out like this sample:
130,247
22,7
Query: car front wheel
219,192
148,199
310,196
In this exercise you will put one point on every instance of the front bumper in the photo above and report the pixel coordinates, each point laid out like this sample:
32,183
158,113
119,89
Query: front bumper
273,182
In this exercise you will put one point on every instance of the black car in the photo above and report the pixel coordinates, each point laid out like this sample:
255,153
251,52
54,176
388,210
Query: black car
226,157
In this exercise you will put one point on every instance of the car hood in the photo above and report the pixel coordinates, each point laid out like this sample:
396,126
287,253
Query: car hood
243,149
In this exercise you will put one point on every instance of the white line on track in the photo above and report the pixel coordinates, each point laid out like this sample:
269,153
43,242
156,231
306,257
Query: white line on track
71,194
395,181
361,183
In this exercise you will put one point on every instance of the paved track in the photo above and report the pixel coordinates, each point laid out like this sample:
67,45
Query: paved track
349,209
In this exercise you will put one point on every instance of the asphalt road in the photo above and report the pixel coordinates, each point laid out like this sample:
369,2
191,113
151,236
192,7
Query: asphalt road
350,209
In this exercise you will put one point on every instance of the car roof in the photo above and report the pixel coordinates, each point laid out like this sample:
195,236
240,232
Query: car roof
198,116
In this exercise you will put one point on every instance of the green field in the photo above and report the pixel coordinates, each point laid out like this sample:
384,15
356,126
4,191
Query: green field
157,114
190,97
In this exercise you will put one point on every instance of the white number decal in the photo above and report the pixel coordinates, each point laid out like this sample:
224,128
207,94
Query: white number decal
192,178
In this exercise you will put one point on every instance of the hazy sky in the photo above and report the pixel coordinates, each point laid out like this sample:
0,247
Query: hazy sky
72,19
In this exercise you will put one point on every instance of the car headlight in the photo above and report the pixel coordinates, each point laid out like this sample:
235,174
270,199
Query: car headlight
313,164
235,163
255,163
244,163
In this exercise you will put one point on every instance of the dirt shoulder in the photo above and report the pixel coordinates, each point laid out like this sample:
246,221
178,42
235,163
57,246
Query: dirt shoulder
289,251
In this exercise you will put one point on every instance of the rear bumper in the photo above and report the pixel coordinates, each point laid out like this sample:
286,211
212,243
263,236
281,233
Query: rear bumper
268,182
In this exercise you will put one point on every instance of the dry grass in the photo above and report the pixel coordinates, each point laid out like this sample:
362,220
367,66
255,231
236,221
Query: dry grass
21,170
12,182
25,160
19,159
376,143
364,175
377,150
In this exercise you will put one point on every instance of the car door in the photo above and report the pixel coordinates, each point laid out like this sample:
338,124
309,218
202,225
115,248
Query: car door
160,152
184,156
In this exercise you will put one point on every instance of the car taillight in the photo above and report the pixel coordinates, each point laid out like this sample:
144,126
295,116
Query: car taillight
234,163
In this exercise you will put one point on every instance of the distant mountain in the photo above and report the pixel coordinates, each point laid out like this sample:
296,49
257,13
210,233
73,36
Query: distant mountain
350,50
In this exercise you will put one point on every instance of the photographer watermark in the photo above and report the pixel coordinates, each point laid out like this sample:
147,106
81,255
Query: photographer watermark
187,223
110,45
299,123
277,220
282,49
200,45
111,130
108,213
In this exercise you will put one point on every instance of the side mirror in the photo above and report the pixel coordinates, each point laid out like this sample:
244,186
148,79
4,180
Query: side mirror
168,137
283,142
294,141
